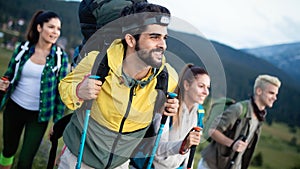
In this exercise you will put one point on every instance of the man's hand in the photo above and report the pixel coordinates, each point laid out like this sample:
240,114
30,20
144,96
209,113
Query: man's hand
171,107
88,89
239,146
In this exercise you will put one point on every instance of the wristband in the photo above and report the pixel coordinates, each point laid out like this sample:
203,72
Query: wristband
183,151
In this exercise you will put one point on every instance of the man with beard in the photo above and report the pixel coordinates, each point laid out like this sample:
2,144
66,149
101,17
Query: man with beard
236,131
124,104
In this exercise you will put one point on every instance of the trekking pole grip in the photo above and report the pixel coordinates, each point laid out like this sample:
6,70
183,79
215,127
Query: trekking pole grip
170,95
192,150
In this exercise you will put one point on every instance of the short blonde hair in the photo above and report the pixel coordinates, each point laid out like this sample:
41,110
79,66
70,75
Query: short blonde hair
262,80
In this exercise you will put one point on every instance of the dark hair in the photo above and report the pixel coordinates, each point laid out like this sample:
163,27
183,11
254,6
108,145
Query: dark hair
39,18
189,73
136,15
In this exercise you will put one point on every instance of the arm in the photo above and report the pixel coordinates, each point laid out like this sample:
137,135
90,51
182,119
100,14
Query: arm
225,122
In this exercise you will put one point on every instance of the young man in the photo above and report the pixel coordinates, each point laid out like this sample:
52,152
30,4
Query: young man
124,104
236,131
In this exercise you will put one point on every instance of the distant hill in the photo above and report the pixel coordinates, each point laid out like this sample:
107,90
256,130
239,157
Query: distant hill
232,71
284,56
241,69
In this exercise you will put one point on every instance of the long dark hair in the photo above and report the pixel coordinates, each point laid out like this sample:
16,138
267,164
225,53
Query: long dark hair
189,73
39,18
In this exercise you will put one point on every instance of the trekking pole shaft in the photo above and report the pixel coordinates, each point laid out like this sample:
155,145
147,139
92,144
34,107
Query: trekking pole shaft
232,161
85,127
83,136
160,130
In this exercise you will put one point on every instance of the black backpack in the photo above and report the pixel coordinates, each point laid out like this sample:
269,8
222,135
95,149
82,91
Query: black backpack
93,15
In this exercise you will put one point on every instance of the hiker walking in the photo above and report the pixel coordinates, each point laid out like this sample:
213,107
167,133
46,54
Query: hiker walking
31,86
124,103
177,138
236,131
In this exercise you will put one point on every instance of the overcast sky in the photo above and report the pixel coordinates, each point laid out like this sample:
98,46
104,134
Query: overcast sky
240,23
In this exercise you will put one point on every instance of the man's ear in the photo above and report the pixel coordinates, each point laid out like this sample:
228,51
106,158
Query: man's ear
130,40
258,91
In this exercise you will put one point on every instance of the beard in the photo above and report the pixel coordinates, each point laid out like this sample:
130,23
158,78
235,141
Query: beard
147,56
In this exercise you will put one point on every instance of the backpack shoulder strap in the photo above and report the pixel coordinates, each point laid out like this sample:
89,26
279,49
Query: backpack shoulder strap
24,47
58,60
244,109
200,115
162,80
103,68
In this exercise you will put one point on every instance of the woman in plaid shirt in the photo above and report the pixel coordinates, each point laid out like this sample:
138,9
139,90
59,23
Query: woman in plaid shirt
32,96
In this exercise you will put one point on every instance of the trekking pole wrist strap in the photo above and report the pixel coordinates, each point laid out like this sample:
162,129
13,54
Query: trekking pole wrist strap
182,150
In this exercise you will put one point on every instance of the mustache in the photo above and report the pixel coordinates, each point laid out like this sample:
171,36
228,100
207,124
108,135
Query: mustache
158,50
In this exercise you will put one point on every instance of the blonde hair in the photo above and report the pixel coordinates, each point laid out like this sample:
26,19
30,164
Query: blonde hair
262,80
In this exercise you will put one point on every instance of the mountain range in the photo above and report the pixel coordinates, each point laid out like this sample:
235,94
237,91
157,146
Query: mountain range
232,71
283,56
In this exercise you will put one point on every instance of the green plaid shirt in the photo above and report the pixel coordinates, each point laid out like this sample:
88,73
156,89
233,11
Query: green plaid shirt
50,101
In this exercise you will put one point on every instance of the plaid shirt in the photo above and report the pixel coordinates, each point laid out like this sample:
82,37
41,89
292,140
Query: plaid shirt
50,101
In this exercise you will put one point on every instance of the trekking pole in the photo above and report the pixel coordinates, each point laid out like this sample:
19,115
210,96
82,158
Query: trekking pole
193,150
85,126
160,130
198,129
232,161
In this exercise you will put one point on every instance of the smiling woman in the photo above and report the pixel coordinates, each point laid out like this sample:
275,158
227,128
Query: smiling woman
38,62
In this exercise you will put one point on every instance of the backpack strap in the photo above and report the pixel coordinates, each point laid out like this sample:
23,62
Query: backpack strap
58,60
200,116
162,80
244,109
24,48
103,68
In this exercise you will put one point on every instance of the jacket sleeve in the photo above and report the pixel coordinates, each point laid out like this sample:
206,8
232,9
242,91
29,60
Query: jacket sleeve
67,86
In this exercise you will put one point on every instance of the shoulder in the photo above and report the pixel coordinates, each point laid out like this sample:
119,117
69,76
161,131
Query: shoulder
87,62
240,107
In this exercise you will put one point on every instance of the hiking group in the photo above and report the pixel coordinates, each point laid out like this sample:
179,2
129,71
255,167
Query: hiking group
130,107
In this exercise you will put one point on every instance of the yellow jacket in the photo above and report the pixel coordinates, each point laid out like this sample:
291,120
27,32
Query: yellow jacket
109,109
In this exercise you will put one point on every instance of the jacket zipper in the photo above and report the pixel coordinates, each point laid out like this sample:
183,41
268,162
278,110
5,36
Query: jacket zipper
121,126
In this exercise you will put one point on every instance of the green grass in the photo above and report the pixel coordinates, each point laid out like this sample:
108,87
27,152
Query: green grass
275,143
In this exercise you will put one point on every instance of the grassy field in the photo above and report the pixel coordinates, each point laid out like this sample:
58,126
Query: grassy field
279,145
